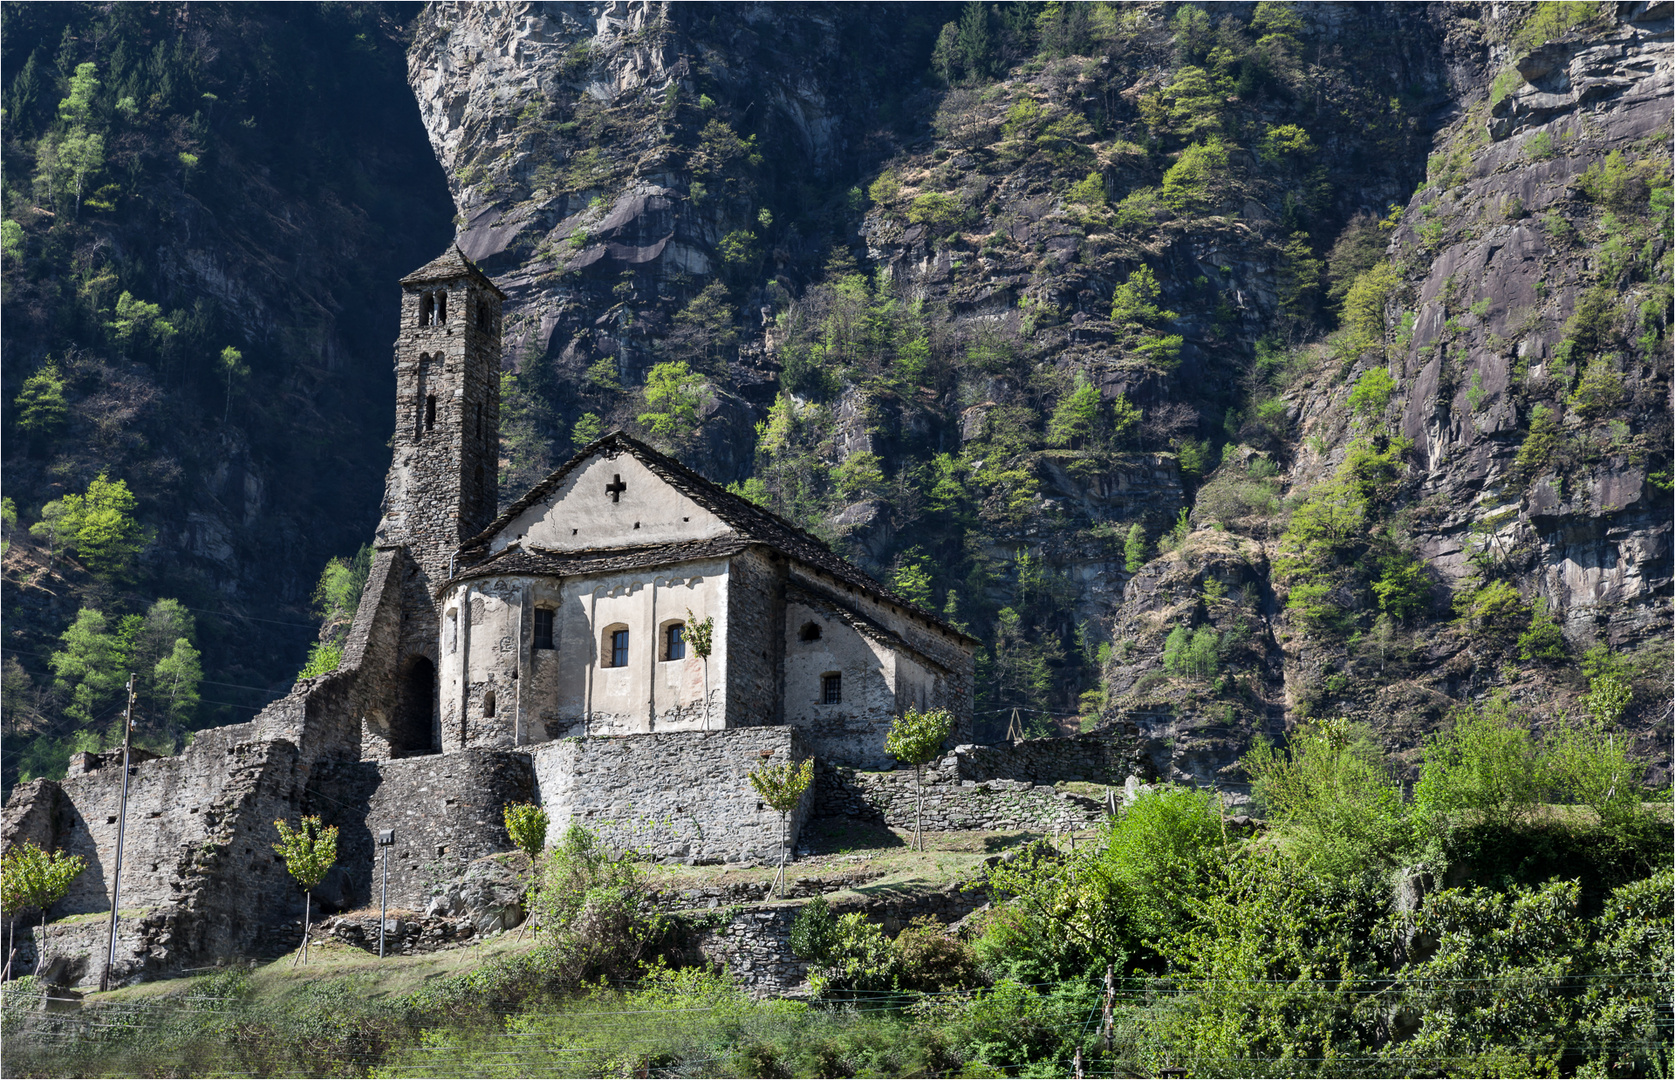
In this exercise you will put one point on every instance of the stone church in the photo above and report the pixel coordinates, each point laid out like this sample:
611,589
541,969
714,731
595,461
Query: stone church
554,651
572,612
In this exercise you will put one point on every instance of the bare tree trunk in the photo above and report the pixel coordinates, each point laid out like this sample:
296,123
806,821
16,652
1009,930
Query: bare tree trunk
307,909
919,806
11,948
41,946
783,818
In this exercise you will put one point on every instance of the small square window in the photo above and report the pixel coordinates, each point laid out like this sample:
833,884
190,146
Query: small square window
619,648
831,688
543,628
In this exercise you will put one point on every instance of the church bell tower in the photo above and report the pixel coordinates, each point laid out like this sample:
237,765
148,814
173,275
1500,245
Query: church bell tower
443,485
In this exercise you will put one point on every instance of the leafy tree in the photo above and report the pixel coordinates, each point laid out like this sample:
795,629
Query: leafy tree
1195,181
234,368
92,666
859,475
41,407
1403,590
1372,393
813,932
916,738
673,394
50,528
1078,419
912,582
139,322
1544,640
526,825
1609,690
175,678
309,851
101,527
700,634
1484,768
708,319
1363,309
1134,548
1333,794
1134,309
588,428
33,878
1590,763
782,787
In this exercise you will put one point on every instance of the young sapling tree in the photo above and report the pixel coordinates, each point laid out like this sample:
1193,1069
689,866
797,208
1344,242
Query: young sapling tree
526,824
700,633
33,878
309,853
781,787
916,739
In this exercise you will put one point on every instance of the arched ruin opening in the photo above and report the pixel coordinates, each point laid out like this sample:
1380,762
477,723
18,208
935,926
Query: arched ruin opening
411,728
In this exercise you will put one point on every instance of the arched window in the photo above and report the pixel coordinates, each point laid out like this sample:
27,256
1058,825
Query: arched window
441,308
427,309
488,703
614,647
810,631
674,641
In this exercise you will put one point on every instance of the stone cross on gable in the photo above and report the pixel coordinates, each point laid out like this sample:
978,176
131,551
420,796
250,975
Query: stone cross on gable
616,487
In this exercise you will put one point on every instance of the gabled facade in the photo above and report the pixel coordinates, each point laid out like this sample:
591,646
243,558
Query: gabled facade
574,613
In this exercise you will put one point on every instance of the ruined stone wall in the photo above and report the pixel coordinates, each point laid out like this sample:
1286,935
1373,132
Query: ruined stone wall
446,810
676,795
1109,755
951,804
754,639
755,945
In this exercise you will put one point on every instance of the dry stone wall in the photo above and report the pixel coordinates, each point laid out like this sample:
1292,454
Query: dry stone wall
671,795
951,804
446,810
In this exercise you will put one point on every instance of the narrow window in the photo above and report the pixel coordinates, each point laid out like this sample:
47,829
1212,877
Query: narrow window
452,631
831,688
543,628
811,632
674,643
427,309
478,430
619,648
441,308
430,412
488,703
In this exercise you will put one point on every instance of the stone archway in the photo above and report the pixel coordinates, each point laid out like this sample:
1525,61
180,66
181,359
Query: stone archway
412,728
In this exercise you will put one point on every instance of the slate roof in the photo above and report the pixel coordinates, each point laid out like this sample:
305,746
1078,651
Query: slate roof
517,560
451,264
750,522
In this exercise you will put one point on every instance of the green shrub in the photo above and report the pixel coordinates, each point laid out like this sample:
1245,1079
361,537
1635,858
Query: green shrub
1599,392
1482,769
938,211
1544,640
1372,393
1363,309
1195,181
1333,796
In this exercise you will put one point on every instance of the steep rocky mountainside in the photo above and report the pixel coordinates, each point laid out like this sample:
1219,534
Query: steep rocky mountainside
180,181
908,255
1221,368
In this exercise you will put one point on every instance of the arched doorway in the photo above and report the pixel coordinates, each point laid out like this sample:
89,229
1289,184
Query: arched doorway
411,729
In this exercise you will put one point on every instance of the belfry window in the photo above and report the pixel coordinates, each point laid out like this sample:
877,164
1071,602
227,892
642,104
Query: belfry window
488,703
674,641
441,308
543,628
427,309
831,688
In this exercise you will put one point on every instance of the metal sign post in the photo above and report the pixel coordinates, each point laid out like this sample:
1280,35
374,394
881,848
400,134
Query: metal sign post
386,839
121,830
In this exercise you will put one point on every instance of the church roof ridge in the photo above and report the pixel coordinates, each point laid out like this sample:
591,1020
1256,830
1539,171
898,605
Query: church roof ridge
753,522
452,263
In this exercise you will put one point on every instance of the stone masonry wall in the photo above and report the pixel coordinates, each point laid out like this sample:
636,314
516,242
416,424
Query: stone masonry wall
950,804
1107,755
755,640
446,810
673,795
755,946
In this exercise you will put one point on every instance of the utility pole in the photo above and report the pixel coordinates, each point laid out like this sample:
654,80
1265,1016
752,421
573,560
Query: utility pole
386,839
121,831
